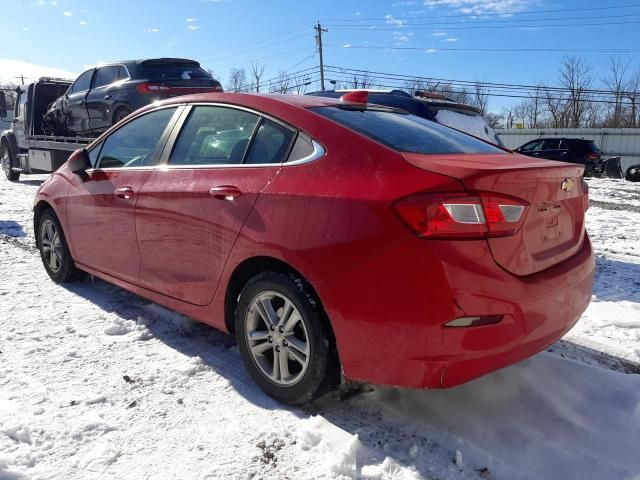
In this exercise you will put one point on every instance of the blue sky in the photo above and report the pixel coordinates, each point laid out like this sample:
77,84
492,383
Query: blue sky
70,34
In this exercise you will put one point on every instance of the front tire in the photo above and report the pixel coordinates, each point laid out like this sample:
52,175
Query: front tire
7,163
54,251
283,338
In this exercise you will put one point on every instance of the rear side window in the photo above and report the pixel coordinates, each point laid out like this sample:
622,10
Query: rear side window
271,143
135,143
405,132
214,136
551,144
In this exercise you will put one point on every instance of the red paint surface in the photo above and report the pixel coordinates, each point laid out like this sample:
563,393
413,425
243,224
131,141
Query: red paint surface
387,293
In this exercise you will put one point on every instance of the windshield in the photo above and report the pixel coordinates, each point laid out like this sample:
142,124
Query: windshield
404,132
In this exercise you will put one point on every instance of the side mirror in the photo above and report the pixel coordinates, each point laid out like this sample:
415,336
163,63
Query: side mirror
3,105
79,162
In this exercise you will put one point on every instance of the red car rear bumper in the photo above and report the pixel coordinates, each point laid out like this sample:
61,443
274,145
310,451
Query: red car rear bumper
392,330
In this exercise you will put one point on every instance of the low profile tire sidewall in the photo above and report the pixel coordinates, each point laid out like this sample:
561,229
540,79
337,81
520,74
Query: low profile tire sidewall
67,270
310,384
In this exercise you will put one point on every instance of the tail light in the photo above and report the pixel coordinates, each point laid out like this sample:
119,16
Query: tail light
156,87
592,156
152,88
462,215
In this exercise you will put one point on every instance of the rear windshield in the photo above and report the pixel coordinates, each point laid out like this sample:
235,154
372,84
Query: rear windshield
169,71
405,132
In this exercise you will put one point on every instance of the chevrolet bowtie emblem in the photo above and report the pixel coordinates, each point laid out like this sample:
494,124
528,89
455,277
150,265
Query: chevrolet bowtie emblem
566,185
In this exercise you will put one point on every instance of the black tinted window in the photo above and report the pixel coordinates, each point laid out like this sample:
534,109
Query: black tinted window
214,136
531,146
551,144
168,71
405,132
301,149
271,143
134,144
83,82
105,76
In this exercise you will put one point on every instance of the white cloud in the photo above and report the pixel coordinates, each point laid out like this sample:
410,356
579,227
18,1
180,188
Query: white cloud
67,14
357,14
193,28
152,30
83,23
190,19
479,7
431,50
53,3
450,40
346,45
391,20
439,34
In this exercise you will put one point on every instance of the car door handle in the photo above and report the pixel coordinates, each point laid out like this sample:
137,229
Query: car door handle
124,192
107,97
225,192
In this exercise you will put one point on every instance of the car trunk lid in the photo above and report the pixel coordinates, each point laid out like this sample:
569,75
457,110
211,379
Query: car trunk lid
553,229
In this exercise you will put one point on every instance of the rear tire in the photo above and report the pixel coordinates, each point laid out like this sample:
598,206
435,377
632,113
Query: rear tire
283,338
633,174
6,157
54,251
120,114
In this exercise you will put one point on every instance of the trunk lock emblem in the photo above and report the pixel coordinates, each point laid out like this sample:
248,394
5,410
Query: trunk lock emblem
566,185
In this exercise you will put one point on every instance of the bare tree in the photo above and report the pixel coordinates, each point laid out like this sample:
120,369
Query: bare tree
237,80
257,71
300,84
615,80
360,81
281,84
576,77
480,97
633,95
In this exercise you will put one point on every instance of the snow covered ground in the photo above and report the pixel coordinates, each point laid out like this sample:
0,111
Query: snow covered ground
96,383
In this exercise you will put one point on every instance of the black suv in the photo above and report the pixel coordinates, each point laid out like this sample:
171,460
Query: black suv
104,95
572,150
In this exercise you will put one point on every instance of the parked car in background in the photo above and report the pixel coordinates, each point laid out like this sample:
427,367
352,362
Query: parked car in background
572,150
330,236
102,96
434,107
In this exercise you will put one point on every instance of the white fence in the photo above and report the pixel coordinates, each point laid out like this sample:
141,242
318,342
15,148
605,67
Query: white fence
614,142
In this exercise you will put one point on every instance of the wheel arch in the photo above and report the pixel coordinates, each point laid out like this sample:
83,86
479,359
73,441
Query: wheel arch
252,266
10,139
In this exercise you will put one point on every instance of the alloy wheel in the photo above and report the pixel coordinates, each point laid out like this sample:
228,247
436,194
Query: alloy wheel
51,245
277,338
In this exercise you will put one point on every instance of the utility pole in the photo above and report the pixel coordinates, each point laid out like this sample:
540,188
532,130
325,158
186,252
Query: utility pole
21,77
318,28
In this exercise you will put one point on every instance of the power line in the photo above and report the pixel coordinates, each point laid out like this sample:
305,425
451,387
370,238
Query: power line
475,15
476,22
551,93
255,40
253,49
505,50
492,27
467,83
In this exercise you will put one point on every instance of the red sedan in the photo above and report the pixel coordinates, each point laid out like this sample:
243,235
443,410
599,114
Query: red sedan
333,237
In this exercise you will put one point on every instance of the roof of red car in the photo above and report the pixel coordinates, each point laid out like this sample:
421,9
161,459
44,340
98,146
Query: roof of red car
303,101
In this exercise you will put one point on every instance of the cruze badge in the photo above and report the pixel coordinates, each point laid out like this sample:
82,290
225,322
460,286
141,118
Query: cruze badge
566,185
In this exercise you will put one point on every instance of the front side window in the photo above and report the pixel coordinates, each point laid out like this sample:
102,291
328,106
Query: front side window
135,143
82,83
214,136
405,132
